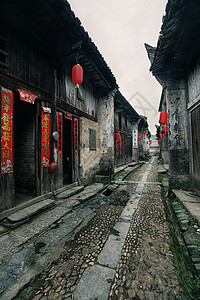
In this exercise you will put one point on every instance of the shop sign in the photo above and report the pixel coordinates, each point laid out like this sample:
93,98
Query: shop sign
45,139
6,131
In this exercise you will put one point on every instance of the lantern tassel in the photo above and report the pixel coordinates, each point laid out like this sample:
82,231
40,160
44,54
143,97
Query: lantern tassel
77,86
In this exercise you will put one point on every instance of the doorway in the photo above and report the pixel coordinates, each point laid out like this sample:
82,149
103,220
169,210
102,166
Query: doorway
67,151
195,116
24,151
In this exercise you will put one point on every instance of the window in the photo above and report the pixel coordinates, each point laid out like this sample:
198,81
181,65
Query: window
126,121
58,83
92,139
120,121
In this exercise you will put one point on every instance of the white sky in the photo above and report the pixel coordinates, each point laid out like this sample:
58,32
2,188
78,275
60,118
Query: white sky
119,28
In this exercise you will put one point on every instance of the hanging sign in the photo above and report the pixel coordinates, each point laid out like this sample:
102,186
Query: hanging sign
60,132
68,116
76,136
25,96
45,139
6,131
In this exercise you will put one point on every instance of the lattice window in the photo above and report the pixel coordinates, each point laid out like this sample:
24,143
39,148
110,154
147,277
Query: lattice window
92,139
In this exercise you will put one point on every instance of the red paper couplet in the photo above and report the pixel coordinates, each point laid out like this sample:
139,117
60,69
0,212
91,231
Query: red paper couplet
60,131
76,136
45,139
6,131
25,96
118,138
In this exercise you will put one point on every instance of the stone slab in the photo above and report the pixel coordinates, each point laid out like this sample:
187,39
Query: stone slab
47,240
20,235
190,202
31,210
70,192
94,284
111,252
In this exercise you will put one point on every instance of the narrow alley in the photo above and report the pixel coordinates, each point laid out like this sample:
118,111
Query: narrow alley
116,245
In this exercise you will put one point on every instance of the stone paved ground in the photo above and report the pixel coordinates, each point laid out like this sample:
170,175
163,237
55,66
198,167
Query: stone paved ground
146,268
59,280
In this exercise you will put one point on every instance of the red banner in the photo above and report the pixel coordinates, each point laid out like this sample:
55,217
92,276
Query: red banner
60,131
118,138
76,136
25,96
6,131
45,139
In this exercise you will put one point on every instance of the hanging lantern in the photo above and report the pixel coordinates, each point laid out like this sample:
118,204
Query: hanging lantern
147,142
77,75
144,132
139,138
53,167
163,117
161,136
158,142
165,129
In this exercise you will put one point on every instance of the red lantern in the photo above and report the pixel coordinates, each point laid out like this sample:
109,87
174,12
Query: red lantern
165,130
158,142
77,75
163,117
147,142
161,136
139,138
53,167
144,132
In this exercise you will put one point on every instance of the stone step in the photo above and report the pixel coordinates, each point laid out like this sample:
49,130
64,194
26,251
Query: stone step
65,188
16,219
190,202
69,192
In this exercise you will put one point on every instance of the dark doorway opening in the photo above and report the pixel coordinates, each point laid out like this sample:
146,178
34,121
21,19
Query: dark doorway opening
24,151
67,151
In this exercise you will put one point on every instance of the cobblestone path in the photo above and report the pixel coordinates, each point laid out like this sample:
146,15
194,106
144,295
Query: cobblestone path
146,267
59,280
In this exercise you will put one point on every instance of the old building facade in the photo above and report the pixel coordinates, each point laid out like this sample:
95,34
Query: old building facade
39,100
126,130
53,134
175,64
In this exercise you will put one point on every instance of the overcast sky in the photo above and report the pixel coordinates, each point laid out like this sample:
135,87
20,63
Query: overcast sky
119,28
